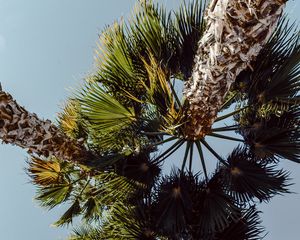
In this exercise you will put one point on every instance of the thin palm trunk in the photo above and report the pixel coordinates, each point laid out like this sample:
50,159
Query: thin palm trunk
236,32
39,137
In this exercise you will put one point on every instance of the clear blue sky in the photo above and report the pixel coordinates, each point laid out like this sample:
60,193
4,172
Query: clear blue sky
46,47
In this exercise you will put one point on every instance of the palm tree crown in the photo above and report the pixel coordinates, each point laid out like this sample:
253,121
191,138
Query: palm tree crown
130,107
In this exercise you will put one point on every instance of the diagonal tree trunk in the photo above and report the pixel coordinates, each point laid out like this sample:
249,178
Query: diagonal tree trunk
39,137
236,32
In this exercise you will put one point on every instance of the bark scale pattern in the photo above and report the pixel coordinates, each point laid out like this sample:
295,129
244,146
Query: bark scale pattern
236,32
39,137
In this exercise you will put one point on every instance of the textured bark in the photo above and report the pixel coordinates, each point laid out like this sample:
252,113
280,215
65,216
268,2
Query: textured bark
39,137
236,32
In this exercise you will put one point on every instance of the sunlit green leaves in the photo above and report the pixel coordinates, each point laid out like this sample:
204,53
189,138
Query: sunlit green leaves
104,112
89,192
85,232
70,120
152,33
51,196
68,216
118,68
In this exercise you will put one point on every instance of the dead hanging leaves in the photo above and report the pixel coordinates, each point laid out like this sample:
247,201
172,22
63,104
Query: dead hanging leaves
236,32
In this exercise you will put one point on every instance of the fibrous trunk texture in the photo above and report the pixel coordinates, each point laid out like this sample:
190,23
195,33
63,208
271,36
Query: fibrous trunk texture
39,137
236,32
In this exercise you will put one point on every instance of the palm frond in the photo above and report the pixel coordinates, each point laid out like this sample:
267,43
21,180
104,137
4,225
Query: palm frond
215,209
246,178
117,64
158,92
152,33
247,227
174,206
85,232
273,136
44,172
70,120
189,24
159,95
53,180
274,81
140,168
67,218
51,196
122,224
104,112
88,191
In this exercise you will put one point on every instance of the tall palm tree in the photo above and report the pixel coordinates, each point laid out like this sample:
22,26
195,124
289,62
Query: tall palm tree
39,137
116,123
235,34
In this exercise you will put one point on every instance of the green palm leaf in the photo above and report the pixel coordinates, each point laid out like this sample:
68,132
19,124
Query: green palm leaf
51,196
44,172
67,218
104,112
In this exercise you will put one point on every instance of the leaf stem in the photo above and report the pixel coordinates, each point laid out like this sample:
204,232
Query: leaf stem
225,137
165,141
202,160
191,157
213,152
188,145
228,101
154,133
226,128
230,114
175,94
170,150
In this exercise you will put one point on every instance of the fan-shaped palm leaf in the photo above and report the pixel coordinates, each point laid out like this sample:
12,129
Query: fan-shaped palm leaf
275,135
247,227
104,111
190,25
246,178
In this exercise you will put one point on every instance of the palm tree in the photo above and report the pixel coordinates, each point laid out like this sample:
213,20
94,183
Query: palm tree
235,34
39,137
111,172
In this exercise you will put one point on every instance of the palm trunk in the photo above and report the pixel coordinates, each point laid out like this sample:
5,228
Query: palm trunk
236,32
39,137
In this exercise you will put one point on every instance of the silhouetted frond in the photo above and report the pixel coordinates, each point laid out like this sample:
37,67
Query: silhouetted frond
246,178
190,25
215,209
277,135
174,206
246,227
